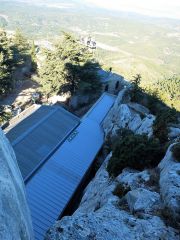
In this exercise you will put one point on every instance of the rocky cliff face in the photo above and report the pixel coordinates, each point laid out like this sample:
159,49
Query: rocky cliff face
15,221
103,215
170,185
125,114
134,205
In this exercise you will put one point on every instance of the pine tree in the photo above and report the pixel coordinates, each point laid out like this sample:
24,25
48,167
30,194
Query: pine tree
20,47
136,89
33,57
6,64
68,68
51,74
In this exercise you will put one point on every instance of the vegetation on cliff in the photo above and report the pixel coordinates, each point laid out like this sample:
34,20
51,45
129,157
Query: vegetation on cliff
134,151
160,126
164,114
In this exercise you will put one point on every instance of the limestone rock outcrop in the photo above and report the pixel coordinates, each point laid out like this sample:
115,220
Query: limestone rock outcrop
110,223
102,215
15,221
132,205
142,200
174,132
96,196
139,108
170,184
146,126
133,178
125,114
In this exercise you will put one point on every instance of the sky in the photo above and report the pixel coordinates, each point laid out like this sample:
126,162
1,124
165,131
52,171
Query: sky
157,8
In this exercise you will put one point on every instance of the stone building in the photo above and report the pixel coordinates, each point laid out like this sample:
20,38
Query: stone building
111,82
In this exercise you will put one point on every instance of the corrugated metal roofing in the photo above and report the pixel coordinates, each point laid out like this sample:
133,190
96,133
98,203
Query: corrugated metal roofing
99,110
38,134
13,123
51,188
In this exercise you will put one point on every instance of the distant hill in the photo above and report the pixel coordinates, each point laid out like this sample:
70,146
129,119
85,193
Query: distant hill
129,43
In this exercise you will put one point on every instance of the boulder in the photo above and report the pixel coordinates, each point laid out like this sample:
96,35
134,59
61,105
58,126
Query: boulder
126,118
170,184
142,200
174,132
123,117
146,126
139,108
133,179
15,218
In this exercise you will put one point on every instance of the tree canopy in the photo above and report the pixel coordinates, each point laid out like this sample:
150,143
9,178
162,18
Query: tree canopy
69,67
6,63
14,52
21,47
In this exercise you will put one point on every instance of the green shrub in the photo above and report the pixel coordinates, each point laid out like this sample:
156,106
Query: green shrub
134,151
176,151
136,91
160,125
111,141
160,129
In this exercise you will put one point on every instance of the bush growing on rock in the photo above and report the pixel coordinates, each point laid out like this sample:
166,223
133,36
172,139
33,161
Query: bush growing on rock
160,126
134,151
136,92
111,140
176,151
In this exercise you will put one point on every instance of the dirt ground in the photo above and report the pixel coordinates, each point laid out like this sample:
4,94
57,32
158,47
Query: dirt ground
21,94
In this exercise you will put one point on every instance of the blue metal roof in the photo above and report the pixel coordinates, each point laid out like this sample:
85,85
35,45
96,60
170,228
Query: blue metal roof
99,109
51,188
34,138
